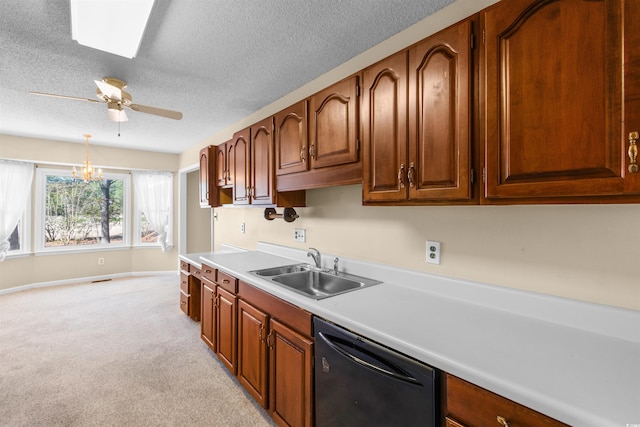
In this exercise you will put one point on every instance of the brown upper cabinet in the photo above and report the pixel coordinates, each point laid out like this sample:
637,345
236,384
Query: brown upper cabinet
332,155
239,158
208,190
428,89
560,100
251,168
291,139
223,175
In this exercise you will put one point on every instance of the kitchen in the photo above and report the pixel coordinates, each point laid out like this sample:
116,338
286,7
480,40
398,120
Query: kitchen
581,252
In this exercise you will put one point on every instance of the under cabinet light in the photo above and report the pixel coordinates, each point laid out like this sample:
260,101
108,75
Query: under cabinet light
114,26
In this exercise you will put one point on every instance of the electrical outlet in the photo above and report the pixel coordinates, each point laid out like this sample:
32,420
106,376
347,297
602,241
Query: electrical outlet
100,261
433,252
242,228
300,235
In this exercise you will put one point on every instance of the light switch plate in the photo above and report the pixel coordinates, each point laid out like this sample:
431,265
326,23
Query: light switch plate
433,252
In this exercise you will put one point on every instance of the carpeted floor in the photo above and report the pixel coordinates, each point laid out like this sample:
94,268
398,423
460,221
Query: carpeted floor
116,353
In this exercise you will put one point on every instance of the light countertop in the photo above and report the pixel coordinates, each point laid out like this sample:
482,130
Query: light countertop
574,361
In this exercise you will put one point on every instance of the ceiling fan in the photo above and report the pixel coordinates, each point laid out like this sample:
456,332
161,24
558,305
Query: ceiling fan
111,91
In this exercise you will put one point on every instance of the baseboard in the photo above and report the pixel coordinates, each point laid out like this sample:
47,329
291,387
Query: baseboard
85,280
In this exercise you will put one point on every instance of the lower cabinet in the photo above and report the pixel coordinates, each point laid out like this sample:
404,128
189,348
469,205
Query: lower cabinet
468,405
275,355
190,290
218,328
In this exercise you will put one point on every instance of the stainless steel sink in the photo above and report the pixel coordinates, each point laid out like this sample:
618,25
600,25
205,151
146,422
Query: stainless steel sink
312,282
276,271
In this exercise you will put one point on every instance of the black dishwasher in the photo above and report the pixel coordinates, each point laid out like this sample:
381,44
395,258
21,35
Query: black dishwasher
361,383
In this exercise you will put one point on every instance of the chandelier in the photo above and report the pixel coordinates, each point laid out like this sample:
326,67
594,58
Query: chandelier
88,173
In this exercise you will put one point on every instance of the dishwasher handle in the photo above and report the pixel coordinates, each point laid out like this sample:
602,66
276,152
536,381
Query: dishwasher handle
383,366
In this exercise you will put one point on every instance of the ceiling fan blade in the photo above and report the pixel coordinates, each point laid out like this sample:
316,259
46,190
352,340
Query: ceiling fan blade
175,115
112,92
53,95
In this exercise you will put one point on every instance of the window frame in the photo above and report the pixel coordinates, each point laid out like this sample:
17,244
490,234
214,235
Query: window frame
40,194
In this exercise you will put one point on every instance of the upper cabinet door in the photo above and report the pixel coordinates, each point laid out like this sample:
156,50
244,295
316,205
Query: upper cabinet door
553,107
440,99
262,176
221,165
334,125
291,139
384,130
239,164
632,93
208,189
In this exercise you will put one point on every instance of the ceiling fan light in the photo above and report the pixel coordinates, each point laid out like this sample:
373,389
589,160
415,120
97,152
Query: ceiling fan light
114,26
116,113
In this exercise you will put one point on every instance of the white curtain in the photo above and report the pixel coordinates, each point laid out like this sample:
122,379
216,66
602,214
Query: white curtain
154,194
15,186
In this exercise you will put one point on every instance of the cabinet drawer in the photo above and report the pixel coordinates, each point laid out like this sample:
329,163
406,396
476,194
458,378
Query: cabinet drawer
184,282
209,273
185,302
184,266
227,282
472,406
196,272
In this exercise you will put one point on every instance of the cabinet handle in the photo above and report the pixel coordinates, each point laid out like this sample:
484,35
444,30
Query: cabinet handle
400,176
268,340
502,421
410,173
312,151
302,157
183,302
260,333
633,152
225,281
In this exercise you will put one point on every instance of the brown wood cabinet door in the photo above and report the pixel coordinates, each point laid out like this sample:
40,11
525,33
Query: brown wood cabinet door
384,131
631,89
208,190
334,125
241,156
252,351
231,162
440,97
221,165
262,176
290,376
208,313
291,139
552,80
226,332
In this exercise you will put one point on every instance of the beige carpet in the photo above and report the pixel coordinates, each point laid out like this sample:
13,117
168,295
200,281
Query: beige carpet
116,353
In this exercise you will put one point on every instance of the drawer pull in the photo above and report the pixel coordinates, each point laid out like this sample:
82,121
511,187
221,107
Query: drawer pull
183,302
225,281
502,421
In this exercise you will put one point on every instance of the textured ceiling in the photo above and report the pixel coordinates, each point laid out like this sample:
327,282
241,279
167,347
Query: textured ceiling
217,61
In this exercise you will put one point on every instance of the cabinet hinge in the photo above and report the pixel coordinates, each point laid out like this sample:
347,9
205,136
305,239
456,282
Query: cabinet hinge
484,36
484,175
473,176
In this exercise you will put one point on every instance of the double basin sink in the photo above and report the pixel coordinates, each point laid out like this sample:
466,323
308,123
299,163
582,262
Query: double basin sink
313,282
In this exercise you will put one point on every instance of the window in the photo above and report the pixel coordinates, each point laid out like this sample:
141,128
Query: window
19,238
77,215
15,190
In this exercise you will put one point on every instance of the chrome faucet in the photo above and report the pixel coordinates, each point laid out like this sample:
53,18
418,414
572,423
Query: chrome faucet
335,266
317,258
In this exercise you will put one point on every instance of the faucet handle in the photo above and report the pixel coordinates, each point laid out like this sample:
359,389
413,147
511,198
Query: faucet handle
335,266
